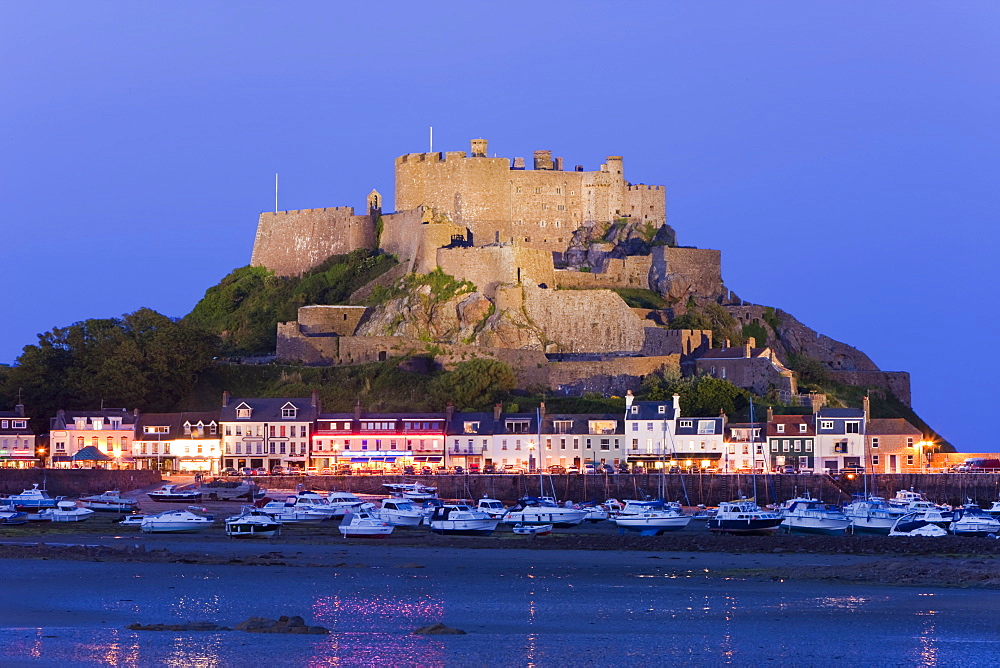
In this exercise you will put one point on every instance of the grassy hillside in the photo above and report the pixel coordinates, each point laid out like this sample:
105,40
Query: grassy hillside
246,306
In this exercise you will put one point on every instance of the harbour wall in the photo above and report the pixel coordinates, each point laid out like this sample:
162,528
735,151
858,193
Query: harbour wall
689,489
75,482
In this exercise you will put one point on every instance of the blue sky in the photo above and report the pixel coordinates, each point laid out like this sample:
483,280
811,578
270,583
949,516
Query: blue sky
842,155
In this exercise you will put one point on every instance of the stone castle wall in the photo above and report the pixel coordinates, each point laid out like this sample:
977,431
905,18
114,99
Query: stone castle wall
331,320
292,242
627,272
414,236
896,382
491,266
680,272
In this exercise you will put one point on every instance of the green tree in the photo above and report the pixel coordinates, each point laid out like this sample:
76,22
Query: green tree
475,384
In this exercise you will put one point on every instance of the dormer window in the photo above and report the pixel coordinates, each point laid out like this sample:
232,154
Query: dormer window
98,423
213,429
661,410
471,427
116,423
20,424
635,410
826,424
687,424
243,412
781,429
187,428
288,411
802,429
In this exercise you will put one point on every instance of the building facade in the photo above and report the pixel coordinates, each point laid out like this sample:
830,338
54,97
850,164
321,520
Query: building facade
267,433
188,442
378,442
111,431
840,438
17,440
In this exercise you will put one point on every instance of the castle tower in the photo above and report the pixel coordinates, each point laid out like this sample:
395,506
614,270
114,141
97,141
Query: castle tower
478,148
374,201
543,160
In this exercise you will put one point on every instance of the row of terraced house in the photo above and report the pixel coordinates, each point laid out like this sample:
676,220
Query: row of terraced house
294,434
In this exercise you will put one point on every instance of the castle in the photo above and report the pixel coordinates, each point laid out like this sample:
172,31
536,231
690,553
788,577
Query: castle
545,249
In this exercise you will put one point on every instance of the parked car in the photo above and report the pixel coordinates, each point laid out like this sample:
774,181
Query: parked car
426,470
606,468
638,470
409,470
246,471
259,471
674,469
458,470
557,470
279,470
473,468
229,470
590,467
573,470
977,464
787,468
490,468
511,468
326,471
710,469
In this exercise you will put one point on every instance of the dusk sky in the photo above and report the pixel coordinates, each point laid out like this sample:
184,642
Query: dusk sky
843,156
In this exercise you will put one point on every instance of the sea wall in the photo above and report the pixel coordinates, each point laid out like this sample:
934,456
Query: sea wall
75,482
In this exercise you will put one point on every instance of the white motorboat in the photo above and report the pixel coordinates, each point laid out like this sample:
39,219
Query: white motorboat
31,499
905,497
308,500
912,524
873,515
175,521
11,515
596,513
463,520
971,520
252,523
492,507
66,511
362,524
287,512
531,510
173,494
344,501
400,513
532,529
744,517
110,500
414,491
805,514
653,522
931,513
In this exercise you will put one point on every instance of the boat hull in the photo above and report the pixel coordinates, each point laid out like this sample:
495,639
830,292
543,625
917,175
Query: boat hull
557,519
760,527
365,532
460,529
173,528
174,498
825,529
657,524
111,506
252,530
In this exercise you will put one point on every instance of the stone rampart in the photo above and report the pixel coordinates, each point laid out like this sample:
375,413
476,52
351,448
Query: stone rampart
681,272
490,266
628,272
292,242
330,320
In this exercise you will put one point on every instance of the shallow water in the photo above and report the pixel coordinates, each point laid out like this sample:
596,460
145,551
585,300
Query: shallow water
74,614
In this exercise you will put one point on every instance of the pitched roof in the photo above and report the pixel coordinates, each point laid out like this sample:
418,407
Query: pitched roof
269,408
892,427
90,454
841,413
772,425
174,422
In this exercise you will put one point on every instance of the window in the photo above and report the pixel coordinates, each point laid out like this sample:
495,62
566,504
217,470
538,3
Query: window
576,444
784,446
706,426
213,429
875,460
562,426
909,460
687,424
909,441
809,446
471,427
852,427
243,413
503,444
4,424
635,444
281,431
559,191
239,430
518,426
798,445
635,410
826,424
273,430
187,428
661,409
156,430
874,441
774,446
781,428
538,191
288,412
229,430
802,428
302,431
605,444
649,426
20,424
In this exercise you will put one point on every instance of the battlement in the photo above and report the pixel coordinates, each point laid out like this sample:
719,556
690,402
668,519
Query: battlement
348,210
642,186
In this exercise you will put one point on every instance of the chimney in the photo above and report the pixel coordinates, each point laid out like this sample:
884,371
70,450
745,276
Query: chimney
677,406
518,163
357,410
629,398
725,343
314,400
225,398
19,410
867,405
815,402
748,348
497,409
449,411
770,414
541,415
559,164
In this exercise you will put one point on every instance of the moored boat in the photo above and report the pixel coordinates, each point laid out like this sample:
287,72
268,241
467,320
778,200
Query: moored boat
461,519
361,523
66,511
873,515
252,523
532,510
913,524
31,499
532,529
654,521
808,515
344,501
744,517
401,513
175,521
11,515
111,500
174,494
287,512
971,520
492,507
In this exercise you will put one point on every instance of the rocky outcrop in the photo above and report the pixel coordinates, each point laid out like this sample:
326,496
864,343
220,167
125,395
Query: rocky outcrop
438,629
594,246
284,624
